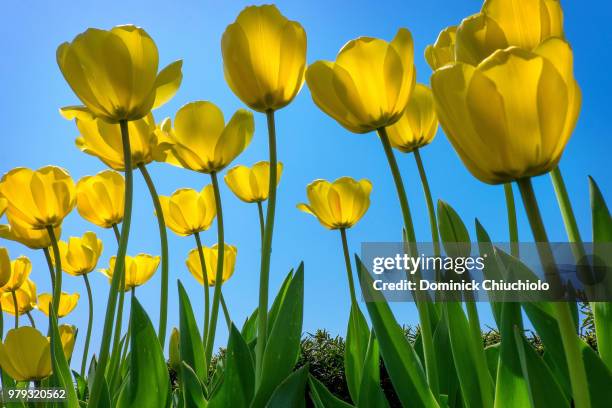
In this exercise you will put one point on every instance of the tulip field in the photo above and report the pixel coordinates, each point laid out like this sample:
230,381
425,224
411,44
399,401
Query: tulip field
503,92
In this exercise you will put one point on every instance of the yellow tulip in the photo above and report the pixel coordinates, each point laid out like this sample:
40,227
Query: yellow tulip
100,198
17,230
103,140
20,269
339,204
201,140
494,116
3,205
67,303
138,269
251,184
114,72
264,57
38,198
79,255
25,354
369,84
211,259
504,23
5,267
442,52
25,296
188,211
67,337
419,123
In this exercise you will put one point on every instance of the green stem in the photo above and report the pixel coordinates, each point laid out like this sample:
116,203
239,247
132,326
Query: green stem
16,306
31,319
89,325
433,223
50,266
512,224
117,234
261,219
228,320
571,345
210,341
57,289
349,268
119,269
206,289
163,237
266,251
422,307
119,319
569,219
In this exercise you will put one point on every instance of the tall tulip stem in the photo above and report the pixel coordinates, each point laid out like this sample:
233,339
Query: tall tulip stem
266,251
16,306
31,319
50,266
163,237
565,320
433,222
210,341
119,271
262,222
512,224
117,233
567,212
349,269
89,325
422,307
206,287
57,288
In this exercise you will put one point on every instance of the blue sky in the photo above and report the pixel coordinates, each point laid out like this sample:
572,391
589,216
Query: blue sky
310,144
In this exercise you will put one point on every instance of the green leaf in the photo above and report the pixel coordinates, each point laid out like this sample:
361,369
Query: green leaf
492,355
283,347
291,392
249,328
81,384
599,377
602,221
543,391
193,390
370,393
322,398
104,399
491,270
355,350
61,370
148,380
278,301
7,383
454,234
448,381
238,383
401,361
191,348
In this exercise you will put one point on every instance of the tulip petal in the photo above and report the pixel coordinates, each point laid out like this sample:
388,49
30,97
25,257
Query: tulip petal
167,83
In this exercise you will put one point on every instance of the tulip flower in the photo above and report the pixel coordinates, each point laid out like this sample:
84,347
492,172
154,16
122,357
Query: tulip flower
103,140
25,354
67,336
418,125
188,211
114,72
264,58
20,269
38,198
211,256
504,23
18,231
67,303
80,255
22,299
100,198
369,84
339,204
251,184
201,141
493,116
5,267
138,269
442,52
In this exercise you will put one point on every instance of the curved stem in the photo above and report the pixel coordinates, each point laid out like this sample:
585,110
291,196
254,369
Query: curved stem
266,251
119,268
89,325
206,289
565,320
228,320
57,288
31,319
512,224
163,237
50,265
349,269
219,275
117,234
119,319
262,222
422,307
565,205
16,306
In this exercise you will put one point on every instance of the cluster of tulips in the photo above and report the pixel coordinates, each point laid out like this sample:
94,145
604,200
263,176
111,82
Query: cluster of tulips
504,93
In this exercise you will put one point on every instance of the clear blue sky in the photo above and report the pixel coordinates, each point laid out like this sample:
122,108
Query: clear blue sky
311,145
